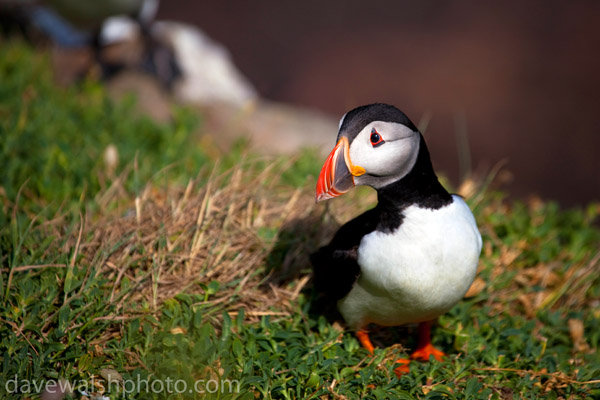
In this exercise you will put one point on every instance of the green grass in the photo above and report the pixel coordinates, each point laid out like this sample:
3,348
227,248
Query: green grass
54,140
69,225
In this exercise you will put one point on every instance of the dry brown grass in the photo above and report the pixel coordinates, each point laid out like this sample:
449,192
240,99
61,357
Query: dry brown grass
180,240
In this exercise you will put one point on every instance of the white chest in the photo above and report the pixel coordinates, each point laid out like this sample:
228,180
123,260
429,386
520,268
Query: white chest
417,272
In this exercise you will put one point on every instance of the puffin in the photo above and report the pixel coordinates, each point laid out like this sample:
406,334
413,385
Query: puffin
414,255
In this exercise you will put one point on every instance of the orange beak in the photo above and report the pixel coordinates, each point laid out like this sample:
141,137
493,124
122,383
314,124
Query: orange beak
338,172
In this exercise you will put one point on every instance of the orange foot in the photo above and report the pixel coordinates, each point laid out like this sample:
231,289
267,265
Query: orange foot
403,368
427,350
424,347
423,351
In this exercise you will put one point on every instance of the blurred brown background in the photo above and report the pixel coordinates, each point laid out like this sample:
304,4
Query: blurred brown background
519,78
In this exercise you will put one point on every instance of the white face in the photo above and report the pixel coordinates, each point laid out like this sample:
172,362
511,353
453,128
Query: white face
386,162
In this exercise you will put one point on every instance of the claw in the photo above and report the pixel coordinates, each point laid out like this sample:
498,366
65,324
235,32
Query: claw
402,368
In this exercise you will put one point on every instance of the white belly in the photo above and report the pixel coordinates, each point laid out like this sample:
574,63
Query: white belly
417,272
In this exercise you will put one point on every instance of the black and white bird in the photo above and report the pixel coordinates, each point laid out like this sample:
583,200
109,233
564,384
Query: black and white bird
413,256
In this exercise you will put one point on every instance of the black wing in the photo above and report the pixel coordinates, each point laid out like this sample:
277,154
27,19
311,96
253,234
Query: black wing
335,266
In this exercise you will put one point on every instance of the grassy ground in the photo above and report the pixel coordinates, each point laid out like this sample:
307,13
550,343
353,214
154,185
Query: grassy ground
174,267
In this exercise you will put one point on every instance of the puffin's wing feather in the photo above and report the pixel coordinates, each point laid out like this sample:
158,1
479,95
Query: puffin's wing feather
336,265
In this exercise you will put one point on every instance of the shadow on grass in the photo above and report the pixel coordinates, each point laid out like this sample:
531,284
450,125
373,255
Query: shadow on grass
289,260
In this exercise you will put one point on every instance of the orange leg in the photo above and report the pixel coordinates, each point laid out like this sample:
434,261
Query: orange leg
363,338
424,346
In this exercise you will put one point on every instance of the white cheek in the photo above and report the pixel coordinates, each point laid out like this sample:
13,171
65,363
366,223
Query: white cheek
375,160
384,160
361,150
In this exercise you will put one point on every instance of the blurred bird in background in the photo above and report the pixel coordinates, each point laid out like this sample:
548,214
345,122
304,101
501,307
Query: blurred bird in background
120,35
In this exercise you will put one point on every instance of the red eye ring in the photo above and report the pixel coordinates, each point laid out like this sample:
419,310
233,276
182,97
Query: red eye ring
376,139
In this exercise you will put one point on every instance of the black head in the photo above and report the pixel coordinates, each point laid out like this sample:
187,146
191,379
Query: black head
356,119
379,146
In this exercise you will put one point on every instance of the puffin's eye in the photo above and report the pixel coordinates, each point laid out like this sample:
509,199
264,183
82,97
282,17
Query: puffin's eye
376,139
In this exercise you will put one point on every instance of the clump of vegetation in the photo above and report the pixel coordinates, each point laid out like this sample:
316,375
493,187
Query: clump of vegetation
174,266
